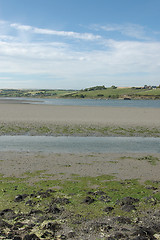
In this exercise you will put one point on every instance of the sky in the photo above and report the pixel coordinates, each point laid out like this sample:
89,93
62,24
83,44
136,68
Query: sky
75,44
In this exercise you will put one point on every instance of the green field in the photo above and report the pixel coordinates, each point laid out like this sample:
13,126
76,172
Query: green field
98,92
117,93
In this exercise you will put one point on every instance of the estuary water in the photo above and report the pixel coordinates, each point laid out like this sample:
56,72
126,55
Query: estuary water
90,102
80,144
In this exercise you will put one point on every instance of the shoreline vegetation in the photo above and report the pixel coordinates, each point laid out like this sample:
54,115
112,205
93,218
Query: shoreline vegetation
80,130
98,92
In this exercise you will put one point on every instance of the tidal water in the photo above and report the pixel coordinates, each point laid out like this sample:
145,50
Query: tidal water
80,144
92,102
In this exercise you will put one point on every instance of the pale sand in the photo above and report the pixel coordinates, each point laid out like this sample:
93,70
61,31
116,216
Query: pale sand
63,166
149,117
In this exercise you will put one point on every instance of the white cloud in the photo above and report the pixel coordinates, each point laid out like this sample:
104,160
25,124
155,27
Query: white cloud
72,67
131,30
83,36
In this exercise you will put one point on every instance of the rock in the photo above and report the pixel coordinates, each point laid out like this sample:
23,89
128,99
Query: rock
88,200
105,199
127,201
36,212
151,200
61,201
30,203
123,220
17,238
52,226
144,232
4,224
31,237
20,198
53,209
7,213
108,209
128,208
118,235
71,234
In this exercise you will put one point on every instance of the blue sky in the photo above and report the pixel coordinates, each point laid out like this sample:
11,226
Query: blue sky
74,44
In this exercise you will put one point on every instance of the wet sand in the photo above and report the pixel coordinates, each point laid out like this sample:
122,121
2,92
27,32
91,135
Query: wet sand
120,116
63,166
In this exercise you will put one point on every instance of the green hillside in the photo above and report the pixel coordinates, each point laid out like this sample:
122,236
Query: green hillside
98,92
116,93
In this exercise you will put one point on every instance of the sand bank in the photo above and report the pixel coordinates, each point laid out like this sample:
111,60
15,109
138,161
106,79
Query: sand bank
63,166
14,112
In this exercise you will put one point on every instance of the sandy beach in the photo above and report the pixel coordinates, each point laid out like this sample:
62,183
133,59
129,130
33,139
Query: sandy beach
13,112
62,166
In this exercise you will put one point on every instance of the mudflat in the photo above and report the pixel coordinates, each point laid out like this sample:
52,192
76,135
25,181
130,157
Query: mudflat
120,116
62,166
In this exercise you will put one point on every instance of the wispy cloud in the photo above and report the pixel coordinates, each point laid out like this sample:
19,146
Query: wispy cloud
131,30
68,65
83,36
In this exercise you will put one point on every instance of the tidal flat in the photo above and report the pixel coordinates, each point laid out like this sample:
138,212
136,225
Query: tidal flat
79,196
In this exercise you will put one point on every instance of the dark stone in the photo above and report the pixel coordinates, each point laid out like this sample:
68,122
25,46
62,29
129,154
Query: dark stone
33,211
128,208
53,209
8,213
44,194
20,198
17,238
52,226
99,193
105,199
4,224
151,200
18,224
123,220
30,203
108,209
119,235
71,234
61,201
151,187
88,200
127,201
144,232
47,234
31,237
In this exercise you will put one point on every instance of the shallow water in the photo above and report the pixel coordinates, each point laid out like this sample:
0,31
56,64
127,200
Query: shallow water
92,102
80,144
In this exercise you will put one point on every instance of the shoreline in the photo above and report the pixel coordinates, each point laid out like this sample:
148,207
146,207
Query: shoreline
58,166
78,120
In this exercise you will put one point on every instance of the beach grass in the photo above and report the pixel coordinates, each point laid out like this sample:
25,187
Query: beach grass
42,129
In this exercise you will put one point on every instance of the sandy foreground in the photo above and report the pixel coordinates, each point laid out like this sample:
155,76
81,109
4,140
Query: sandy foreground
63,166
13,112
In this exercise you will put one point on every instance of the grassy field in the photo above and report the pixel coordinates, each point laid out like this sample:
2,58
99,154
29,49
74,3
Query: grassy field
117,93
92,93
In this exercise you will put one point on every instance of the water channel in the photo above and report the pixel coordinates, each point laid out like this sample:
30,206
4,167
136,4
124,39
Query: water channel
64,144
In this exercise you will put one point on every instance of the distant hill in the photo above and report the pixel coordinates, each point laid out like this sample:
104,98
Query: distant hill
97,92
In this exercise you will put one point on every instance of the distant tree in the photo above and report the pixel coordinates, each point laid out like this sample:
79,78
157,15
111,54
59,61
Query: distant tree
113,87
